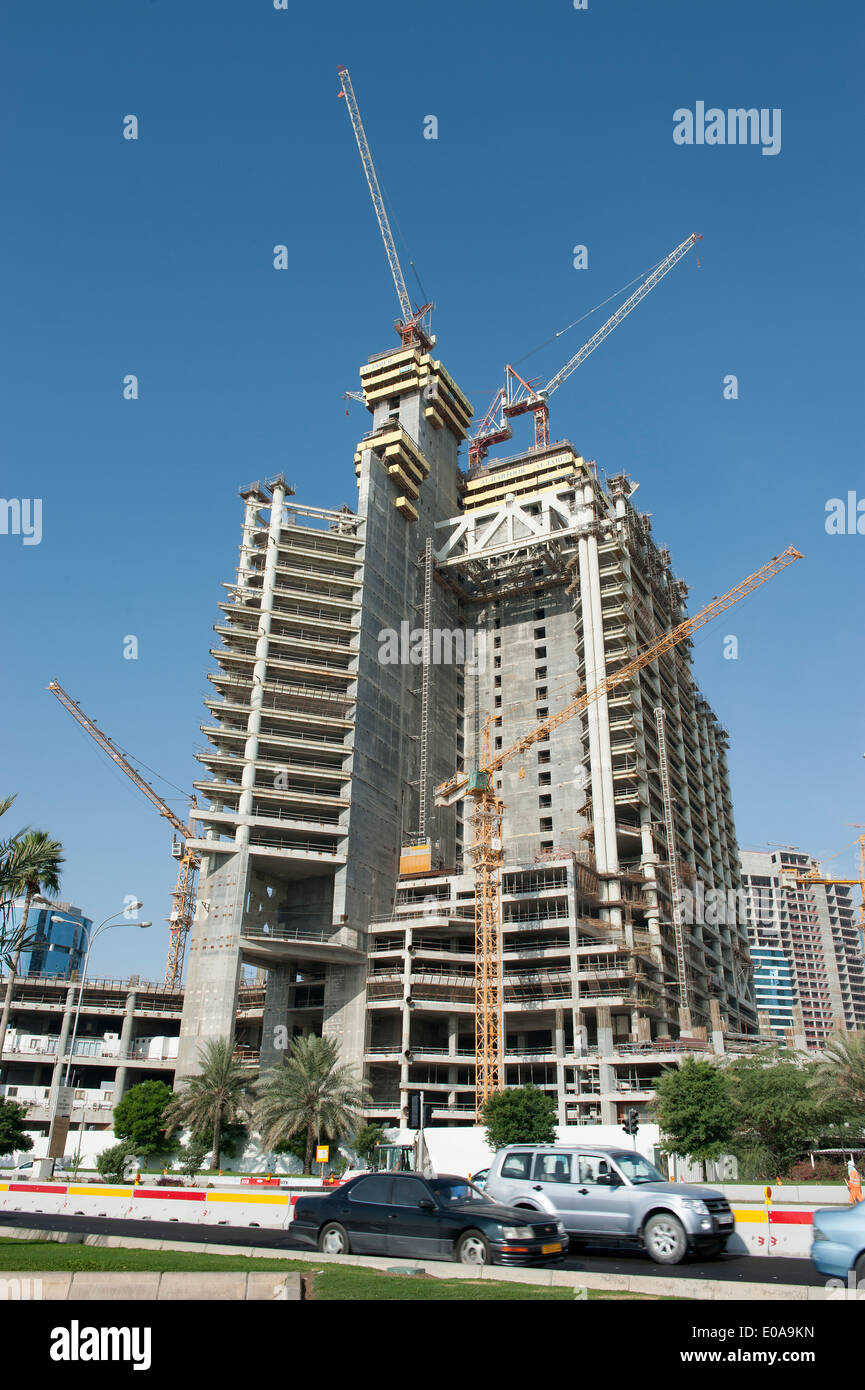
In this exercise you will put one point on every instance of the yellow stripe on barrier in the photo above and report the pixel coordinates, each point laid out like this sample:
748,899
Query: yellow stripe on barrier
4,1187
247,1197
751,1214
100,1191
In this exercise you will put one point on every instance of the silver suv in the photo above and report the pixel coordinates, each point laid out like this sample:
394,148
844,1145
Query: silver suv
612,1194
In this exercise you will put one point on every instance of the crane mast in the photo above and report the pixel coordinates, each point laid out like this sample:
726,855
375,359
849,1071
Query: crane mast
410,328
184,894
487,822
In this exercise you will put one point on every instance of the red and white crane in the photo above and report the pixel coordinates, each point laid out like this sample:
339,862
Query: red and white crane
517,396
411,327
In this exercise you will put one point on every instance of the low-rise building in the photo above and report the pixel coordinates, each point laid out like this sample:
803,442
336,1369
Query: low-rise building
127,1032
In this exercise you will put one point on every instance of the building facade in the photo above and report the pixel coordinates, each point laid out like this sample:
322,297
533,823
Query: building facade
813,925
57,935
775,990
329,730
127,1032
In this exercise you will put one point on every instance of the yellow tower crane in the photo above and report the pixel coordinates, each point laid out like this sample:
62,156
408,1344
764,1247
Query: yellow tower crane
487,844
183,897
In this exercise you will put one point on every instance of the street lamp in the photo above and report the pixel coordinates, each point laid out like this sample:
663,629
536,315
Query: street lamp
106,925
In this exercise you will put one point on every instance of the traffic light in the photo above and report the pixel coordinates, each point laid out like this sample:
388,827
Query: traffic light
414,1115
631,1122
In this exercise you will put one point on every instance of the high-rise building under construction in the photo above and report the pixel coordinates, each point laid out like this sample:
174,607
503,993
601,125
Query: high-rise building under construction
360,654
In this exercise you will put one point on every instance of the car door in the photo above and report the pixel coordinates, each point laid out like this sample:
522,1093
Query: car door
413,1230
603,1207
367,1212
551,1178
512,1179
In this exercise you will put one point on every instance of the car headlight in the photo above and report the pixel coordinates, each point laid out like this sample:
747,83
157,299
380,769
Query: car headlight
560,1227
695,1204
517,1232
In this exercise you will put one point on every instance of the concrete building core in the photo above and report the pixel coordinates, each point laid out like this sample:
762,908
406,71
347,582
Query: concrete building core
329,730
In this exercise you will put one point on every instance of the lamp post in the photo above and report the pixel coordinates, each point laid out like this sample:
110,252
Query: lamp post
106,925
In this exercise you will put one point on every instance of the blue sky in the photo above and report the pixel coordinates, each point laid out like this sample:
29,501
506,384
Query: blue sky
154,257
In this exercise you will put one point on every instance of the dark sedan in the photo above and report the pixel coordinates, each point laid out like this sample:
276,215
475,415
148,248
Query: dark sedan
440,1218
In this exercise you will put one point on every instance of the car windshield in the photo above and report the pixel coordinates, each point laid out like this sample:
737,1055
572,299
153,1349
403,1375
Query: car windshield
637,1168
457,1190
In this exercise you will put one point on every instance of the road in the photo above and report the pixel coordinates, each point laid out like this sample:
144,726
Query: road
754,1269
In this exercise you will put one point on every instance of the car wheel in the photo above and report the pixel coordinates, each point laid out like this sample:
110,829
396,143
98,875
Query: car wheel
473,1249
664,1238
333,1240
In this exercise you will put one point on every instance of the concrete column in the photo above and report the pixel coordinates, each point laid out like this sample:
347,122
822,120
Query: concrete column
606,1071
344,1011
559,1039
63,1040
214,965
405,1035
597,719
717,1027
277,999
125,1045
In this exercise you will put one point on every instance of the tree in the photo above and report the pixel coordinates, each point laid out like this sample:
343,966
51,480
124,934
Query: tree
519,1115
219,1095
840,1072
139,1117
309,1092
30,865
779,1112
191,1156
365,1141
694,1110
112,1162
12,1136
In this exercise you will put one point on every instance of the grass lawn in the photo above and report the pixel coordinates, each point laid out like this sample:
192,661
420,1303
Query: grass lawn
335,1283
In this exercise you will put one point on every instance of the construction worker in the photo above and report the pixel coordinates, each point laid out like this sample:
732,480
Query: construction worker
854,1183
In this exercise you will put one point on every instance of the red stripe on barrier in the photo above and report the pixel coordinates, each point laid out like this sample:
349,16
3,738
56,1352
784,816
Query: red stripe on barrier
791,1218
169,1195
37,1187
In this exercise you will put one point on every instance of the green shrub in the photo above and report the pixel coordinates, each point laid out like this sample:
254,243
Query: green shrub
112,1162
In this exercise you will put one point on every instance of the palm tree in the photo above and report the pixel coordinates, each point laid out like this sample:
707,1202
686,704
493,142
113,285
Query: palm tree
310,1092
6,887
217,1096
30,865
841,1069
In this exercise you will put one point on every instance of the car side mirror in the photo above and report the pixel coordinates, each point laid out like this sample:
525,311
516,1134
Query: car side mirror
426,1205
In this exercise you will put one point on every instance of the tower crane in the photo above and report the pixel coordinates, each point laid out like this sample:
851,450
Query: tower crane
183,897
487,816
517,396
411,326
